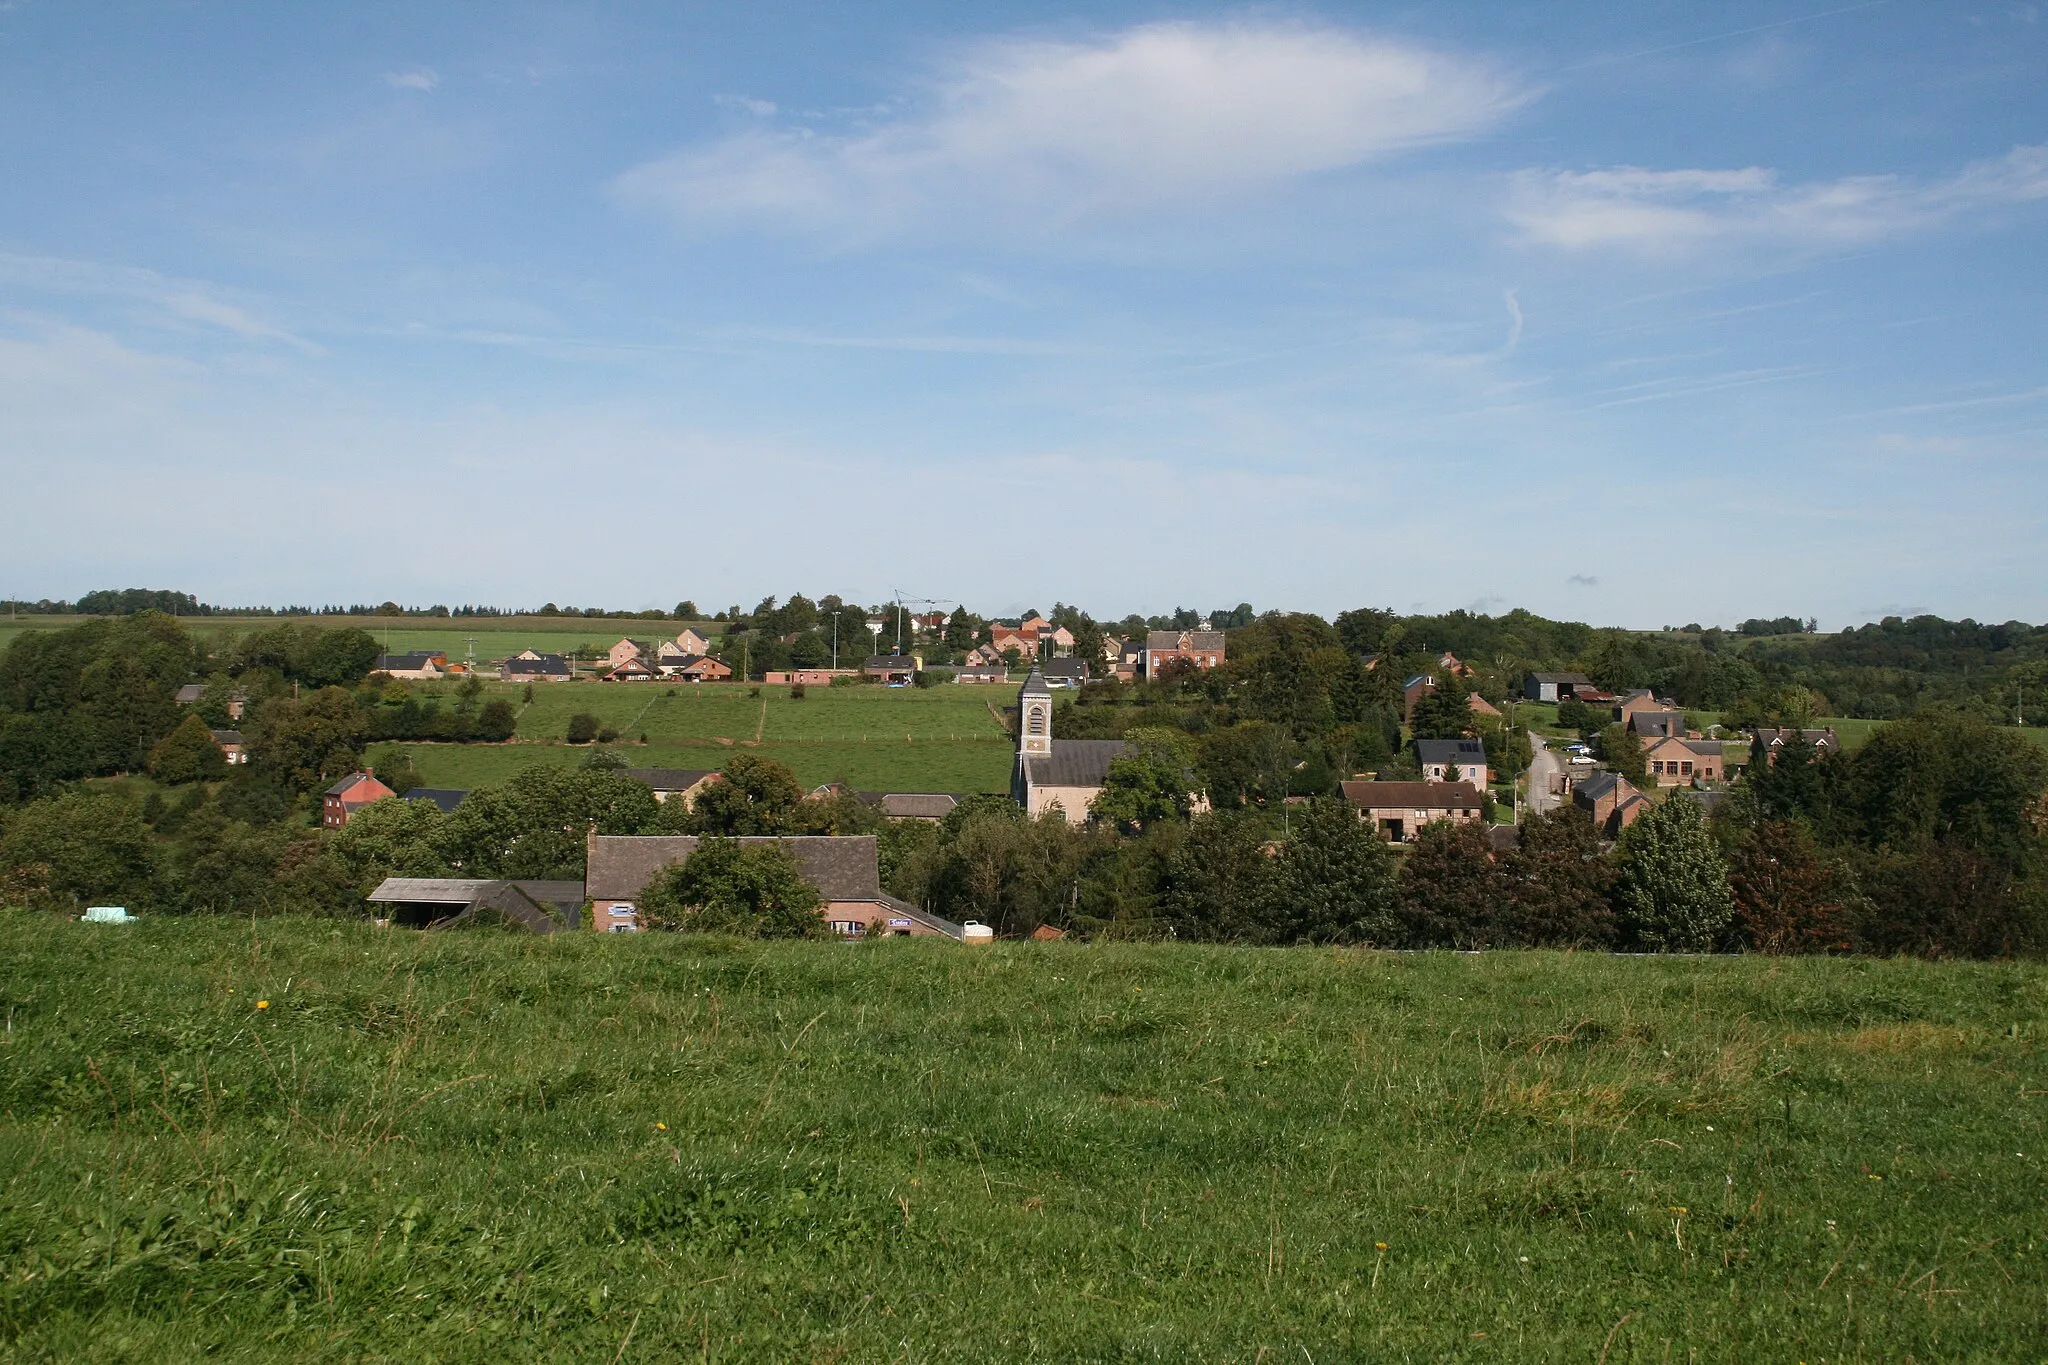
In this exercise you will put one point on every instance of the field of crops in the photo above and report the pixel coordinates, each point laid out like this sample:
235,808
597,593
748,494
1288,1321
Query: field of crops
306,1140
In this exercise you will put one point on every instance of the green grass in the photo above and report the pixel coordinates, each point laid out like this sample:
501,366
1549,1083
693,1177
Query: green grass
481,1147
495,636
880,765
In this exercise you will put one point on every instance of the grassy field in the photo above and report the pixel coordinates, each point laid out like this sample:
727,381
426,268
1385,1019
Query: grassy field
496,636
481,1147
879,765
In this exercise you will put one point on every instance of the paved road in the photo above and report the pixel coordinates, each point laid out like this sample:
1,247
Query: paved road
1546,777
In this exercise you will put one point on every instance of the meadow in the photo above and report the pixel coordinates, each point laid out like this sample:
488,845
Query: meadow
311,1140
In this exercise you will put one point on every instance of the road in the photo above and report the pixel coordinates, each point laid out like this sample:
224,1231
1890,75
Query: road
1547,769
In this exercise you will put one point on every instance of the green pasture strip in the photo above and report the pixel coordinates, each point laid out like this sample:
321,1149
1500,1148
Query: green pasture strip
482,1147
879,765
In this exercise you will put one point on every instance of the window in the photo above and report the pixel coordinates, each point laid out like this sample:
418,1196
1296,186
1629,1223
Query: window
1685,768
621,912
621,929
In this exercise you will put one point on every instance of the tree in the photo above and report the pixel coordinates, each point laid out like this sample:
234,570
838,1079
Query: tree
1218,882
1335,880
74,850
308,742
1443,711
754,795
1450,887
496,721
1152,780
1787,897
535,825
187,754
393,839
1558,885
726,887
583,728
1618,747
393,767
1672,887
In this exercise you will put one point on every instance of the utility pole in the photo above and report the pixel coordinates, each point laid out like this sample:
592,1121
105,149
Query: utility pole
835,642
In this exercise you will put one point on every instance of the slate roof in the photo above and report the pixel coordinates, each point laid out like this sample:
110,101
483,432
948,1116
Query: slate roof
190,693
911,805
1073,762
1817,738
1662,724
1598,787
843,867
890,663
1464,752
226,736
1411,795
1034,686
1575,679
1077,669
459,891
546,664
411,663
671,779
445,799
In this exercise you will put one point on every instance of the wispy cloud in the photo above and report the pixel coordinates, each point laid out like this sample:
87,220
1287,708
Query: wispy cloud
413,78
1583,580
169,299
1036,130
1676,212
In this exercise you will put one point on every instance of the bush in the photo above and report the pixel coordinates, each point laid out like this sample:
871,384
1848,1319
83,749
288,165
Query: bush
606,735
726,887
796,692
583,728
187,754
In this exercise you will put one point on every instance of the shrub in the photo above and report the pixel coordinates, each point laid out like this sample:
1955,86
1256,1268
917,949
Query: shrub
583,728
726,887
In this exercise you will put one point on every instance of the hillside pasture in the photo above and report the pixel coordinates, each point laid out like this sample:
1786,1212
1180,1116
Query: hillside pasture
311,1140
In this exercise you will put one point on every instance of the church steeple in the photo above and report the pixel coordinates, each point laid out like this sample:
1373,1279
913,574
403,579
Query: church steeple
1034,716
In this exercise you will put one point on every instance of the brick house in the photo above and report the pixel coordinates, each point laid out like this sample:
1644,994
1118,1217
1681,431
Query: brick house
982,673
1824,742
893,668
843,868
1453,760
421,665
1674,761
1611,799
229,742
1643,701
340,802
1202,648
697,668
626,651
527,666
1399,810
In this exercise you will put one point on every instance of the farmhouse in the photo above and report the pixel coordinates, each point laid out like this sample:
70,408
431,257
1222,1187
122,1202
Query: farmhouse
1399,810
1674,761
341,801
441,902
1204,649
695,668
1554,686
1063,773
1453,760
844,869
419,666
528,666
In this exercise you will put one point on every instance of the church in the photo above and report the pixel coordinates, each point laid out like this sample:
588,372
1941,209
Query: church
1067,773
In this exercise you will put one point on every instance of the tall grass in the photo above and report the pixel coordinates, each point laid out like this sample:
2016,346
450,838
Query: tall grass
475,1147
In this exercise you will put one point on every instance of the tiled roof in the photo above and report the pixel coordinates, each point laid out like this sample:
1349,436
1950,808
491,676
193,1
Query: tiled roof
842,867
1411,795
348,785
1073,762
1464,751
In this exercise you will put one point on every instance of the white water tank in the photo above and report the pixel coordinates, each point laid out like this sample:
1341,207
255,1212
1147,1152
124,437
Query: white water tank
107,914
974,931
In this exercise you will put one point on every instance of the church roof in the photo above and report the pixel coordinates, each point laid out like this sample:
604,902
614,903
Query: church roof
1073,763
1034,686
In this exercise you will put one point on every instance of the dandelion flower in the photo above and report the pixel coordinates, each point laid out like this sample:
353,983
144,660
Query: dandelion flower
661,1128
1379,1246
262,1004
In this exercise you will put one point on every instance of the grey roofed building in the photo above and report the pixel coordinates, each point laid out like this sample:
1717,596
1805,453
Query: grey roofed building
1451,752
910,805
445,799
1554,686
190,693
544,666
1598,786
669,781
1074,762
1419,795
842,867
411,662
1657,724
1066,670
430,902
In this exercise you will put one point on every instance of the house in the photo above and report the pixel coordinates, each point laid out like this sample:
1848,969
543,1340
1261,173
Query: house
698,668
1453,760
626,651
1004,641
528,666
1611,799
1642,701
928,806
1399,810
1061,638
229,742
1675,761
1065,672
844,869
1554,686
191,694
1824,742
443,799
893,668
1411,693
982,673
805,677
1480,706
341,801
1032,627
1202,648
682,784
630,670
442,902
1450,663
1649,725
1130,658
688,642
1064,773
420,665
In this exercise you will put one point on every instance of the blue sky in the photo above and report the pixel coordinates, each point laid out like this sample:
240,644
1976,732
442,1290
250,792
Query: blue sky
1638,314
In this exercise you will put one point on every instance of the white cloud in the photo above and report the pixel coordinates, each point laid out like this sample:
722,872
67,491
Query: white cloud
413,78
1676,212
1034,130
170,301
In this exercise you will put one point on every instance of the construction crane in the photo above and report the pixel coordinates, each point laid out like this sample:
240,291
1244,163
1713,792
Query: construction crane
905,599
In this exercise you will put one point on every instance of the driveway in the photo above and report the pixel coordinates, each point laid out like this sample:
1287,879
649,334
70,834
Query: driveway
1547,770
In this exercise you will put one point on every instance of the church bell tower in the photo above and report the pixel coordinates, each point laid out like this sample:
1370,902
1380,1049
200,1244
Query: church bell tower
1034,717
